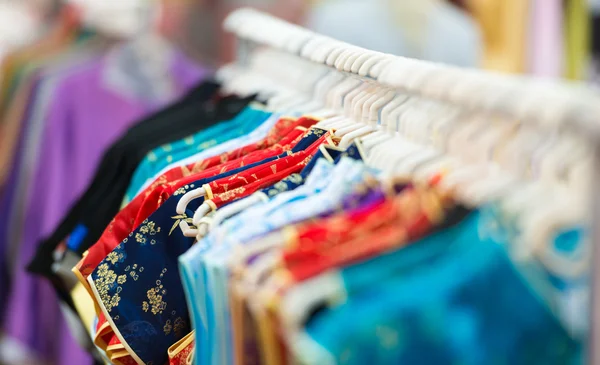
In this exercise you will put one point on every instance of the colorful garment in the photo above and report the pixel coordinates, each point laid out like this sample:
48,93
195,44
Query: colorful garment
456,281
244,123
177,244
210,257
143,206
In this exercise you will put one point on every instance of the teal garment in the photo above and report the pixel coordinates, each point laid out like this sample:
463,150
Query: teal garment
161,157
564,289
464,303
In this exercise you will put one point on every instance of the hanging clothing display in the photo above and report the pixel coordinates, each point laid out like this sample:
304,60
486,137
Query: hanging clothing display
314,203
46,128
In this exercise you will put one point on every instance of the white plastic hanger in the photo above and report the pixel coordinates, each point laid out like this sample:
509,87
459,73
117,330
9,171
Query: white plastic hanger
385,115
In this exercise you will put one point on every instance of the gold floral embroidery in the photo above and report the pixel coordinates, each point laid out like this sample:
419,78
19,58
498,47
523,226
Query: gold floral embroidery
140,238
133,273
155,302
167,327
182,190
121,279
149,228
113,257
145,306
179,327
243,178
104,283
231,193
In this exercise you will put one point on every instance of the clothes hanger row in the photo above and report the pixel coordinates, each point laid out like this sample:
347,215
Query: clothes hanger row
379,112
565,105
355,97
524,102
481,139
414,118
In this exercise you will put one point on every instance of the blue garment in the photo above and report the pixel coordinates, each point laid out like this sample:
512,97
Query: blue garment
559,272
453,300
295,180
207,262
138,284
243,123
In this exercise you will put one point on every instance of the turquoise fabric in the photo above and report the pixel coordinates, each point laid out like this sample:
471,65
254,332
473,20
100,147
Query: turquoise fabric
158,159
438,307
207,262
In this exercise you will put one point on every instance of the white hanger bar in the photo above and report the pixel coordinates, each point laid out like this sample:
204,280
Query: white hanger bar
548,103
552,105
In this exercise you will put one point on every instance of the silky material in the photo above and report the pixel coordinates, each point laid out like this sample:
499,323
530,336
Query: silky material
286,208
144,204
190,263
242,124
196,162
266,263
454,280
158,235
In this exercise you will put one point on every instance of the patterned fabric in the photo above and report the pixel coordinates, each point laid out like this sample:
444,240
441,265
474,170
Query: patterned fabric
145,204
243,123
281,130
209,258
120,295
293,181
255,259
141,273
182,352
450,321
219,155
224,191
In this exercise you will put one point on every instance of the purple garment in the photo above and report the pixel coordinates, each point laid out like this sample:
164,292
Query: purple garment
8,195
363,199
85,117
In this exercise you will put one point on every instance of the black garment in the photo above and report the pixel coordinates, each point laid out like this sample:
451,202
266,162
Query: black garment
199,109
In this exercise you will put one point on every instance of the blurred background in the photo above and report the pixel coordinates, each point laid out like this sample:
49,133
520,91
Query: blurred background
548,38
543,38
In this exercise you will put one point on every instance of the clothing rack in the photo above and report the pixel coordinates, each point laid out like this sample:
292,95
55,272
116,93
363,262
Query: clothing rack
553,106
